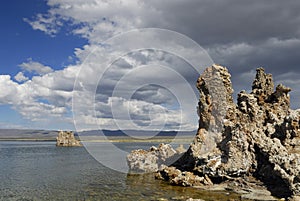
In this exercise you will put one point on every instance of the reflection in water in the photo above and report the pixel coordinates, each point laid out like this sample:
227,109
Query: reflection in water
41,171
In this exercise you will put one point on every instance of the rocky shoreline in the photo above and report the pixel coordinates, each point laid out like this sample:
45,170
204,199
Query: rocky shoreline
251,147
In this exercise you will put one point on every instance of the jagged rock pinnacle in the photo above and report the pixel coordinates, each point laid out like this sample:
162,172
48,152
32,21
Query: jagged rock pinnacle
259,137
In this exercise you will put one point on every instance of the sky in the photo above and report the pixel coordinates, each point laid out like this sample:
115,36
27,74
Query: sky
133,64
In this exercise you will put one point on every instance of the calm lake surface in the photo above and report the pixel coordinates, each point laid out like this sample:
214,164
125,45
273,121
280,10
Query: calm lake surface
42,171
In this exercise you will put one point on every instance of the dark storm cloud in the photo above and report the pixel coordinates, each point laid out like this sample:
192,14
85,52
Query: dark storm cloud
154,94
243,35
214,22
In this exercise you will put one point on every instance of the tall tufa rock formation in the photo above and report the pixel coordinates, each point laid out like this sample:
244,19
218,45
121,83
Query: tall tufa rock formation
258,137
67,139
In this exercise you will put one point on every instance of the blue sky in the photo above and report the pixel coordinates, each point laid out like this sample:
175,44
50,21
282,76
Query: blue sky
47,45
20,42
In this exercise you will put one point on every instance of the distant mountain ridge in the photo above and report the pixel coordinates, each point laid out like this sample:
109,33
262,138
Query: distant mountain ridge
27,134
132,133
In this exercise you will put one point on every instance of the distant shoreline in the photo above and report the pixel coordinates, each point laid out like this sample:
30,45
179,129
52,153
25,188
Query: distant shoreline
114,139
165,139
95,136
26,139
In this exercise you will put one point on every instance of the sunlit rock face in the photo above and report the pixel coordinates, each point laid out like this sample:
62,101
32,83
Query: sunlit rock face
67,139
146,161
256,137
259,136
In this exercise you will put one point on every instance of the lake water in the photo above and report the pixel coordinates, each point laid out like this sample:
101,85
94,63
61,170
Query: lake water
42,171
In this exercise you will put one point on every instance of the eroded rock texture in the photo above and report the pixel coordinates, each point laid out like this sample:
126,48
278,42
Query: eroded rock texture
66,139
142,161
259,136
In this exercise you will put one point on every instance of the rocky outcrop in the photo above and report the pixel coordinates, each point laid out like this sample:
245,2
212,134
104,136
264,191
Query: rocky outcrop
67,139
257,137
141,161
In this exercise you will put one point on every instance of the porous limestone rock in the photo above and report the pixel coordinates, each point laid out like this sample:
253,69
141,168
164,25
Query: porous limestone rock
182,178
142,161
67,139
191,199
257,137
180,149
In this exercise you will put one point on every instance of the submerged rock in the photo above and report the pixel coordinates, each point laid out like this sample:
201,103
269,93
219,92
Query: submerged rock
67,139
257,137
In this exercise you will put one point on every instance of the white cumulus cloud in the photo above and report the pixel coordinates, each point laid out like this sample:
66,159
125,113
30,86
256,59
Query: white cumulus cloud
20,77
35,67
239,36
